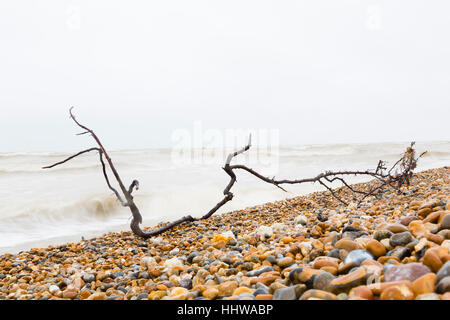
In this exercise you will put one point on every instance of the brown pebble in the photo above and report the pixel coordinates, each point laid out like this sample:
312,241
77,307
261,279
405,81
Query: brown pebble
424,284
432,260
376,248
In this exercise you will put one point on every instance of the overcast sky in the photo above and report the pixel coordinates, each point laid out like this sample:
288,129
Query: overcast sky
321,71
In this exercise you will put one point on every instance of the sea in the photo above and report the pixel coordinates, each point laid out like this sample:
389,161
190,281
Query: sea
41,207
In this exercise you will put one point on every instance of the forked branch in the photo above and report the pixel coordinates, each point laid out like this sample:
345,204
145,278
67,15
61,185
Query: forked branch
400,173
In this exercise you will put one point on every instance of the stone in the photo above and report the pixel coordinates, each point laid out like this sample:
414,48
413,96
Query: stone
428,296
424,284
210,293
400,239
186,283
78,283
260,291
259,271
357,257
352,279
443,285
424,212
245,296
219,244
417,228
53,289
382,234
241,290
264,297
285,262
445,222
353,235
432,217
334,254
264,231
410,272
157,295
347,245
376,248
285,294
407,220
88,277
322,281
346,267
386,244
227,288
174,262
141,296
70,293
325,262
360,292
436,238
97,296
444,271
378,287
397,292
191,256
228,235
432,260
304,275
84,294
318,294
396,228
175,291
300,220
446,244
400,253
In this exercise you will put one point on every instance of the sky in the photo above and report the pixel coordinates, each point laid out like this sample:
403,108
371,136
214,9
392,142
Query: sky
316,72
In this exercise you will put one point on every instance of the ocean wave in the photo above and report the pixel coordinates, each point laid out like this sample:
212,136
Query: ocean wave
95,208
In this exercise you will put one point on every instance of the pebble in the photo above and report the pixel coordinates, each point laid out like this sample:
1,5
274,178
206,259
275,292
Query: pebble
348,245
397,292
285,262
346,282
445,223
424,284
444,285
318,294
431,259
400,239
382,234
357,257
285,294
444,271
227,288
360,292
428,296
410,272
417,228
259,271
396,228
376,248
400,253
53,289
308,247
322,281
211,293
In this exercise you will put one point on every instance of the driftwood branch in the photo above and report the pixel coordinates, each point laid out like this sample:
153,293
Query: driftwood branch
400,173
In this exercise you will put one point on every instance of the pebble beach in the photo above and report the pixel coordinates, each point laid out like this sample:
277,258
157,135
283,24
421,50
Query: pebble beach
313,247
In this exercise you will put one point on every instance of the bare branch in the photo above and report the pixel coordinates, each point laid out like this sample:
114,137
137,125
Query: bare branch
70,158
403,172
